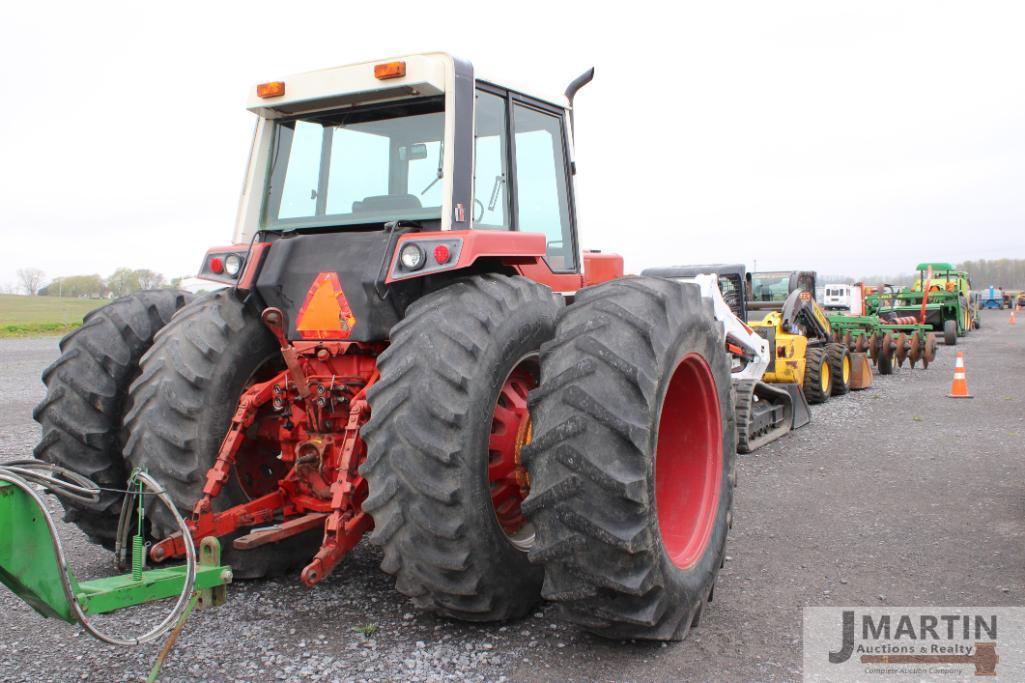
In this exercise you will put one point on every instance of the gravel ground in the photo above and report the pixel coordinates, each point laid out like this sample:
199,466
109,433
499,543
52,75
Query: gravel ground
894,495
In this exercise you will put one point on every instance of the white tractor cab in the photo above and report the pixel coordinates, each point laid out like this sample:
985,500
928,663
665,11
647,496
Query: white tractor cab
836,297
421,142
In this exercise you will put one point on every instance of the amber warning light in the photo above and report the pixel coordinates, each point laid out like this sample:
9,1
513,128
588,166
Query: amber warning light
383,72
272,89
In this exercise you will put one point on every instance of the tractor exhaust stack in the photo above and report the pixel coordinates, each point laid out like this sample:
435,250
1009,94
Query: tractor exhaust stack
571,92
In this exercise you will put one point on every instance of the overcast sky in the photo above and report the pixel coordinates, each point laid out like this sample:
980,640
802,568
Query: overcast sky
856,138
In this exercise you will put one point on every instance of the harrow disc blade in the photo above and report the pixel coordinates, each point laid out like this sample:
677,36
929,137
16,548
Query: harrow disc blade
847,340
915,352
930,349
886,347
902,349
874,346
862,343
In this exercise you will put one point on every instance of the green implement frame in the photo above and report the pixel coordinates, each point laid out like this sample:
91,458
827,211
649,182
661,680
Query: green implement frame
30,568
889,344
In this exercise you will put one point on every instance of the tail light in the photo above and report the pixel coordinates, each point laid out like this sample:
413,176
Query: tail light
224,264
424,255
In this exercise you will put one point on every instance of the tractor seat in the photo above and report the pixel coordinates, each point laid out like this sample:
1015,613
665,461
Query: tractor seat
384,203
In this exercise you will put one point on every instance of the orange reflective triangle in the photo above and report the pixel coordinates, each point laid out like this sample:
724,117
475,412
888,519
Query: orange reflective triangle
325,314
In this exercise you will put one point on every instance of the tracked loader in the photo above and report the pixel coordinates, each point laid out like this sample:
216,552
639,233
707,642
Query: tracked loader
765,412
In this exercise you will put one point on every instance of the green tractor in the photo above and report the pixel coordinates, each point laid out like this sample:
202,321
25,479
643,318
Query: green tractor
940,299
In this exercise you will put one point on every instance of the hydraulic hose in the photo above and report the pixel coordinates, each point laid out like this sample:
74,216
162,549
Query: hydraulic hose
65,483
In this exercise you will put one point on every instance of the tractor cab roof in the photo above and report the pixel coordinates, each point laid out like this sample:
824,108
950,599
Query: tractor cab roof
418,75
721,269
936,267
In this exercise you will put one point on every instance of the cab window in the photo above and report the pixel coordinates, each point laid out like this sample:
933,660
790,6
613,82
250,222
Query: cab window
491,173
542,190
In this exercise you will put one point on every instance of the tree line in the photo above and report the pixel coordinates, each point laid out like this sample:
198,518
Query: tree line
1008,273
122,281
1005,273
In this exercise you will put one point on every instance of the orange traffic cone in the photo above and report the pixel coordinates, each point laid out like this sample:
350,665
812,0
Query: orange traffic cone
1014,318
959,388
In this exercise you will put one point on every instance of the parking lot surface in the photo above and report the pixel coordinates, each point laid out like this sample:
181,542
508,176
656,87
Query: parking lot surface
895,495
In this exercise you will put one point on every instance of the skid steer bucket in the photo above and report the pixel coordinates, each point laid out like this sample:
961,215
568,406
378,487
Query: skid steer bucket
861,371
28,561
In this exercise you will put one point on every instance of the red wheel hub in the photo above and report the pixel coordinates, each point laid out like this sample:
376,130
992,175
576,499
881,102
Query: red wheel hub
510,431
688,461
257,466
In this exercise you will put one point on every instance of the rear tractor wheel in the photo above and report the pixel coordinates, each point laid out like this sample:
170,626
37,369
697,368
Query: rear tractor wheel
448,423
818,379
839,360
87,394
950,332
180,409
632,462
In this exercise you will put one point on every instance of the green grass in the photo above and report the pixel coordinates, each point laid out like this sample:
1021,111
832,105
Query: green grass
29,316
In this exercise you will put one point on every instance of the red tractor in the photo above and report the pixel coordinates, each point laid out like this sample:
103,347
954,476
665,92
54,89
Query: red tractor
410,341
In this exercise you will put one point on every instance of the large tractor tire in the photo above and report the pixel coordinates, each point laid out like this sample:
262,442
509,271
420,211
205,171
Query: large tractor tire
180,409
86,393
950,332
448,419
818,379
632,461
839,360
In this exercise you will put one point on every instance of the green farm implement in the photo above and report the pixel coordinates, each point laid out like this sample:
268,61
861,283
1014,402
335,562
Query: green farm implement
34,566
941,300
889,344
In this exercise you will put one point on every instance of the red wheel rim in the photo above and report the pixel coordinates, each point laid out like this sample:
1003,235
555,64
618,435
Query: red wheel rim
688,461
510,431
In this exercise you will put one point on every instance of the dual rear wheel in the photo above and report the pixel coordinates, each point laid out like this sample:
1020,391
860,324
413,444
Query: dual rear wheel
612,497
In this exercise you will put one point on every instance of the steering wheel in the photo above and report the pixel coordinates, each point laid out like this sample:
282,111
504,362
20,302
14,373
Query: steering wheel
478,203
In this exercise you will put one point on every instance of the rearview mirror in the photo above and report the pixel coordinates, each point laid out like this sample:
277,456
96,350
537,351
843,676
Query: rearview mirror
413,152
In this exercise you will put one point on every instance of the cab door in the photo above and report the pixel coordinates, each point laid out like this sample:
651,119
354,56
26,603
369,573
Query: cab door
543,193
